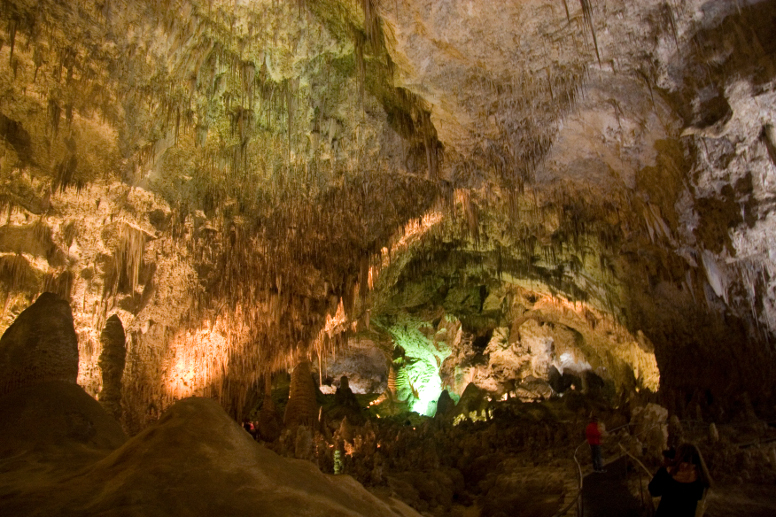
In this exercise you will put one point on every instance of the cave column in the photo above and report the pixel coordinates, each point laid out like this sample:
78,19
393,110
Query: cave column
112,361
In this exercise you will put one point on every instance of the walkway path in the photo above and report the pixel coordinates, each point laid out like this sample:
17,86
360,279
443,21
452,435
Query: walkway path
605,495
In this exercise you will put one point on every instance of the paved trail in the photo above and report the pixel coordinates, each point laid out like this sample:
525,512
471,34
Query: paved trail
605,495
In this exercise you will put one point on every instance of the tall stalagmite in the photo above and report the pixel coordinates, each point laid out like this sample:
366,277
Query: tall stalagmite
41,345
112,361
302,408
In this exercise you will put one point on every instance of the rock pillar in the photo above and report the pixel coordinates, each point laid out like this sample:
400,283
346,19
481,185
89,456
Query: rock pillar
40,345
302,408
112,361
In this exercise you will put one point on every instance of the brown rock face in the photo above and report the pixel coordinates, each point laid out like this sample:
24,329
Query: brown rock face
270,424
112,361
41,345
302,408
196,461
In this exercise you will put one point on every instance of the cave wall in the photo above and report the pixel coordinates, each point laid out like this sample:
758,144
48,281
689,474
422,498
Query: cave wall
215,175
644,191
245,184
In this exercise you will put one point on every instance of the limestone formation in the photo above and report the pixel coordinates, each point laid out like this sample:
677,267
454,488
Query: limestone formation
445,407
196,461
713,433
270,424
302,407
41,345
551,180
473,405
112,361
650,425
55,421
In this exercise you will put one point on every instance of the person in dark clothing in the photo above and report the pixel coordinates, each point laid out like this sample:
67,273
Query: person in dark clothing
593,436
680,483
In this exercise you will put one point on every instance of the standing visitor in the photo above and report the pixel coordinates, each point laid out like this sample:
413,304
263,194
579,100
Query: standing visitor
681,483
593,435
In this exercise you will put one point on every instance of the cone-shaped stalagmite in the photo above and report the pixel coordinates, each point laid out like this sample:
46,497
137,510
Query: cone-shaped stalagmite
302,408
112,361
269,420
41,345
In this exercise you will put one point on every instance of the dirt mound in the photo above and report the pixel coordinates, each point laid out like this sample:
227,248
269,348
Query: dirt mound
55,418
196,461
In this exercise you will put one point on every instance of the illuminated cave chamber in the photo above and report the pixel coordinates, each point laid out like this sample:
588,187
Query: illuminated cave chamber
557,201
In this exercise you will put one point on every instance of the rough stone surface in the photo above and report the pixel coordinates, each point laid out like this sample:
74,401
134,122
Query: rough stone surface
112,362
650,426
302,407
55,418
234,179
41,345
198,461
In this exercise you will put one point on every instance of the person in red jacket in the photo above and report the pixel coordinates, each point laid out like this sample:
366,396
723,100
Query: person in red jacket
593,435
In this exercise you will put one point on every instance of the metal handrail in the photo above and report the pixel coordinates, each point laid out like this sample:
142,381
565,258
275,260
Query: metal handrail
578,499
634,458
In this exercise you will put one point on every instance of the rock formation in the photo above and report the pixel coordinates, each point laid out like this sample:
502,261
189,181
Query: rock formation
54,420
545,207
198,461
495,192
302,407
269,424
112,361
445,407
41,345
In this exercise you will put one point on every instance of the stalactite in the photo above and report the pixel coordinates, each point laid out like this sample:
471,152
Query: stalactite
566,6
371,21
587,11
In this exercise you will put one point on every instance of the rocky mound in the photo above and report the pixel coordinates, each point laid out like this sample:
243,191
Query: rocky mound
196,461
55,416
41,345
48,431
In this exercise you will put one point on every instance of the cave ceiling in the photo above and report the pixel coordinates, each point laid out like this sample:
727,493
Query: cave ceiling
249,182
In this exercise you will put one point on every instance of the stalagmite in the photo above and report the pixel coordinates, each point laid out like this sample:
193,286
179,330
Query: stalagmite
302,407
111,362
269,424
41,345
713,433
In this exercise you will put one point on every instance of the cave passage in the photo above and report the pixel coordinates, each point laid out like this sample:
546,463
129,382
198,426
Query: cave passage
419,243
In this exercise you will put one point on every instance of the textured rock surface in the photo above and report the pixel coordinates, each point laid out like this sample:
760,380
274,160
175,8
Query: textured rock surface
48,431
55,418
302,407
198,461
234,179
41,345
112,362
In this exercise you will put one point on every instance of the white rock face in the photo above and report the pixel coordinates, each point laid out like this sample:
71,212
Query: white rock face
649,425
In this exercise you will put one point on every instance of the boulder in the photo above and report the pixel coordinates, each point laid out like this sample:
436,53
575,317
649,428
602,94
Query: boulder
445,407
40,345
649,425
